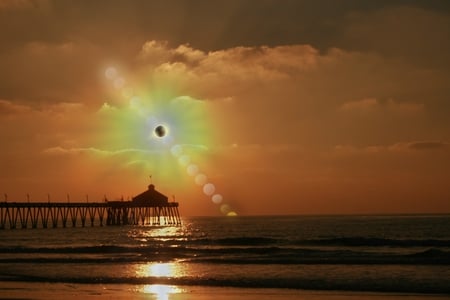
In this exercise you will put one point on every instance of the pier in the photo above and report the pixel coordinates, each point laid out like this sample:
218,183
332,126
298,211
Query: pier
148,208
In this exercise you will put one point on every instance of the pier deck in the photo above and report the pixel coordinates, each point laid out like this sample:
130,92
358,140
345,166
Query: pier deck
58,214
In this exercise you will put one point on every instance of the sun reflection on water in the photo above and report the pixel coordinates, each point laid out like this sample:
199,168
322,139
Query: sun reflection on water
162,271
161,291
157,233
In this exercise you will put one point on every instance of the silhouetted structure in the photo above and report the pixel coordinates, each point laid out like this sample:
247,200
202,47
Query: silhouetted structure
148,208
151,196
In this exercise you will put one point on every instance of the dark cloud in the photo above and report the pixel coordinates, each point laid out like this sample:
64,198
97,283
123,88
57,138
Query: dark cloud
207,25
54,49
408,33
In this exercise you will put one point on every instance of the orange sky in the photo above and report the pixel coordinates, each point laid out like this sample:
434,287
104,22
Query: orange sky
288,107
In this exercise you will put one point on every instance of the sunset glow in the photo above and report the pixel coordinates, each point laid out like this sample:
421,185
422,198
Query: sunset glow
321,111
168,121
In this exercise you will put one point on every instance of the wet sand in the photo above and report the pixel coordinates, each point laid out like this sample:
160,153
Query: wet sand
21,290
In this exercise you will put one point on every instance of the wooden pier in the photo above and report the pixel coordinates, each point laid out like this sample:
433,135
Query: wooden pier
149,208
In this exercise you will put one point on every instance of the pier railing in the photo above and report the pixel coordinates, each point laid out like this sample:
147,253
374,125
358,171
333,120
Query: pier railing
44,215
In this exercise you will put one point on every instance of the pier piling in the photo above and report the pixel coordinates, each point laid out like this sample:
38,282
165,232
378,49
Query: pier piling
42,214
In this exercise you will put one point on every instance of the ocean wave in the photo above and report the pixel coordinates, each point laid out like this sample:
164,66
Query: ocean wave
334,241
403,285
240,241
233,255
374,242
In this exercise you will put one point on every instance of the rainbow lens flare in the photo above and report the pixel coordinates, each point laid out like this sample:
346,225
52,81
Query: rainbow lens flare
158,130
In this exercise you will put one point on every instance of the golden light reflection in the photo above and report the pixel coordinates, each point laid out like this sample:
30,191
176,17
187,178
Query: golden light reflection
161,291
160,270
166,270
163,233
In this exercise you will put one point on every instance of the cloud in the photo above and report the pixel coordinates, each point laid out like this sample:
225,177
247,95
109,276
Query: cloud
313,77
270,58
64,110
301,90
405,107
279,94
352,150
373,104
61,110
237,65
393,148
428,145
50,71
22,4
9,108
185,100
91,150
360,105
158,52
409,33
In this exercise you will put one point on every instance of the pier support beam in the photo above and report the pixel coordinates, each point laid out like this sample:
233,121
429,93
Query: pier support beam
39,214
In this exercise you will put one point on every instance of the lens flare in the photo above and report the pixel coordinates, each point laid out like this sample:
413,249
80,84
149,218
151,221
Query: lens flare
110,73
184,160
157,129
119,83
135,102
176,150
192,170
127,92
200,179
225,209
217,199
209,189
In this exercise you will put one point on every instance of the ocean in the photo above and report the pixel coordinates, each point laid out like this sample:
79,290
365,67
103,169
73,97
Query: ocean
402,254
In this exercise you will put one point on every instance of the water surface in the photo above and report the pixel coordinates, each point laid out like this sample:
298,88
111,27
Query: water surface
395,254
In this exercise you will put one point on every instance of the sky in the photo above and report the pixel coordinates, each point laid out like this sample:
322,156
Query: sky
270,107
